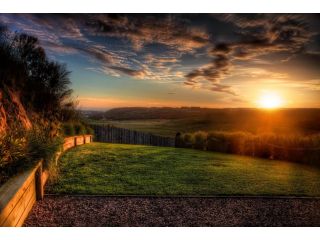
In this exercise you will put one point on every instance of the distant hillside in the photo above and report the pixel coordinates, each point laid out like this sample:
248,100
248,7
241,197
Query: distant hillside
302,120
154,113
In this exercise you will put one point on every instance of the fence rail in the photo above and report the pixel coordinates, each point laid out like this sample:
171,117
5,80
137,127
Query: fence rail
18,195
111,134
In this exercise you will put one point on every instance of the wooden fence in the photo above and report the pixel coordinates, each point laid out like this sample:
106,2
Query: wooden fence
73,141
111,134
18,194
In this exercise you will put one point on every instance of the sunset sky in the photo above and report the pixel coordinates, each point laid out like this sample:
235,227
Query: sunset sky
217,60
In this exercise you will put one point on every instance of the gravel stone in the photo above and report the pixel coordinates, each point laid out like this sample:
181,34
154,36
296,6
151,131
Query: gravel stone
104,211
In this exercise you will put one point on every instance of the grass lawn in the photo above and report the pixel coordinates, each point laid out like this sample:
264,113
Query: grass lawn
117,169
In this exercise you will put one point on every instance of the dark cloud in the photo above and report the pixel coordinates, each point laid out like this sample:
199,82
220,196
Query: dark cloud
221,48
257,35
190,83
223,89
261,34
213,71
140,30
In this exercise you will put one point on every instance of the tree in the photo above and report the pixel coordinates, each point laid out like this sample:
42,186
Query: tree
44,85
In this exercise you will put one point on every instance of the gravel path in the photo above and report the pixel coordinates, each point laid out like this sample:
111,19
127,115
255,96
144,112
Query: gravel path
175,211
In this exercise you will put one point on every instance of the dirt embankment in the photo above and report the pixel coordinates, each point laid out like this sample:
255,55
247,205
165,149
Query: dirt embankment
12,111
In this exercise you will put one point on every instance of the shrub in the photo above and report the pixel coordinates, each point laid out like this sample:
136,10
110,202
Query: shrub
179,140
200,140
79,129
68,129
89,130
187,139
295,148
72,129
21,149
13,152
217,142
236,142
41,146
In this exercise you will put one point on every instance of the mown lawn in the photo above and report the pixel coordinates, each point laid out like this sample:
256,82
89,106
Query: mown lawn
118,169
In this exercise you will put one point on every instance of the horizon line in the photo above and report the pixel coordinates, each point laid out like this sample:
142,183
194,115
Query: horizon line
221,108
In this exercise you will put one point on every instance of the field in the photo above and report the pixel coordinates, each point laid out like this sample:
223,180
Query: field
161,127
169,121
119,169
169,127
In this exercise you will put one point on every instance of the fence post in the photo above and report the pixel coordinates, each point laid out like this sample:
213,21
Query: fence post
39,187
111,134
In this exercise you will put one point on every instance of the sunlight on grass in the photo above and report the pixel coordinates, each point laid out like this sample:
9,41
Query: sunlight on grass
119,169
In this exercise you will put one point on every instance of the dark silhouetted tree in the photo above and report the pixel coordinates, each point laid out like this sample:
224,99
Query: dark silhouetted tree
43,84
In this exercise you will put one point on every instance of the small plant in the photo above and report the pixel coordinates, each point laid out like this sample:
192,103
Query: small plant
68,129
79,129
187,140
89,130
21,149
200,140
13,152
179,140
41,146
216,141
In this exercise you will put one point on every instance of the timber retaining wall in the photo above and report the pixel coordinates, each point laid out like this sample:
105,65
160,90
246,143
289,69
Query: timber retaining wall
18,195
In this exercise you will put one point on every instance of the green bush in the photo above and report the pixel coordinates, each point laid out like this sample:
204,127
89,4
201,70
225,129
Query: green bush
68,129
217,142
20,149
200,140
179,140
89,130
295,148
187,139
41,146
72,129
79,129
13,152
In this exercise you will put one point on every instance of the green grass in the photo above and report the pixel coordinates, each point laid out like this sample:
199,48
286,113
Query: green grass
117,169
164,127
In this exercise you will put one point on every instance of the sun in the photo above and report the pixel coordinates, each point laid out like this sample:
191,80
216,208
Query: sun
270,100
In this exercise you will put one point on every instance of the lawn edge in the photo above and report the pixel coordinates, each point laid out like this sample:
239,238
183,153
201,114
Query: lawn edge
186,196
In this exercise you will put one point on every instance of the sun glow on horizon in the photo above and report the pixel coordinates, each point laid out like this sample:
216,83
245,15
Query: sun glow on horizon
270,100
